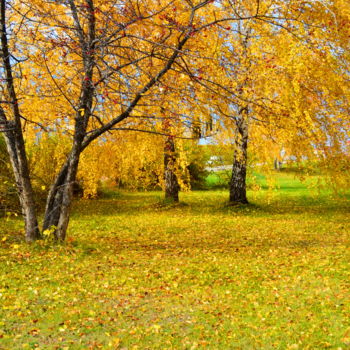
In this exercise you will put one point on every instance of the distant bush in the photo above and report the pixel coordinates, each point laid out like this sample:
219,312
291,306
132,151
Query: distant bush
198,158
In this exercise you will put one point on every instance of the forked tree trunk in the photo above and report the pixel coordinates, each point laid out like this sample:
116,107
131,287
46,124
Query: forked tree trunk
238,190
54,199
170,178
57,210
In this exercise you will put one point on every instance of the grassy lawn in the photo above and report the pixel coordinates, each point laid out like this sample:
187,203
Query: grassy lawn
136,274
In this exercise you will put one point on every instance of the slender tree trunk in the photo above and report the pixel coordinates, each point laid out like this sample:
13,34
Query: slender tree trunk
238,188
277,164
238,191
14,139
171,183
16,151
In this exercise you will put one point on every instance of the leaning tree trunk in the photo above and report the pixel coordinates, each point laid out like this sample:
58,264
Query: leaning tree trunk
238,191
54,199
14,138
16,150
57,210
170,178
67,195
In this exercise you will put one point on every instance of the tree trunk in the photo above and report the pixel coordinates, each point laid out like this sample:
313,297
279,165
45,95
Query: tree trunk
238,191
171,183
277,164
238,188
16,150
54,199
67,195
14,138
57,210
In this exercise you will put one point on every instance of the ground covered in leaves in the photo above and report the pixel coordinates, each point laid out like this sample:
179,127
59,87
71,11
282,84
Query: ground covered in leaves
136,273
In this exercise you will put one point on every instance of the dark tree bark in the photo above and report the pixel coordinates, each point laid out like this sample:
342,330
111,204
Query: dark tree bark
15,141
171,184
238,191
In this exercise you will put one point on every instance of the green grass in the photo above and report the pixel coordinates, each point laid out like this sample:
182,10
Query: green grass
138,274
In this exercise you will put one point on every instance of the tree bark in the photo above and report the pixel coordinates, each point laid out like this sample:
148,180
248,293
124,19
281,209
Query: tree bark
57,210
171,184
67,195
238,190
54,199
24,188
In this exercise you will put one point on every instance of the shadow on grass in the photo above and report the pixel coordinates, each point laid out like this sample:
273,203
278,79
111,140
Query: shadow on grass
202,203
229,246
291,206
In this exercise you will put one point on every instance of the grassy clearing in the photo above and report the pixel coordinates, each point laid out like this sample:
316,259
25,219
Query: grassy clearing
136,274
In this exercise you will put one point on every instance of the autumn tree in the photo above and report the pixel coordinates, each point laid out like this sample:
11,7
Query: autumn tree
83,68
99,60
267,83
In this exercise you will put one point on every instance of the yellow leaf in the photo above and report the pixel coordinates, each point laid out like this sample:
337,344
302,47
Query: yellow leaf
47,232
116,341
